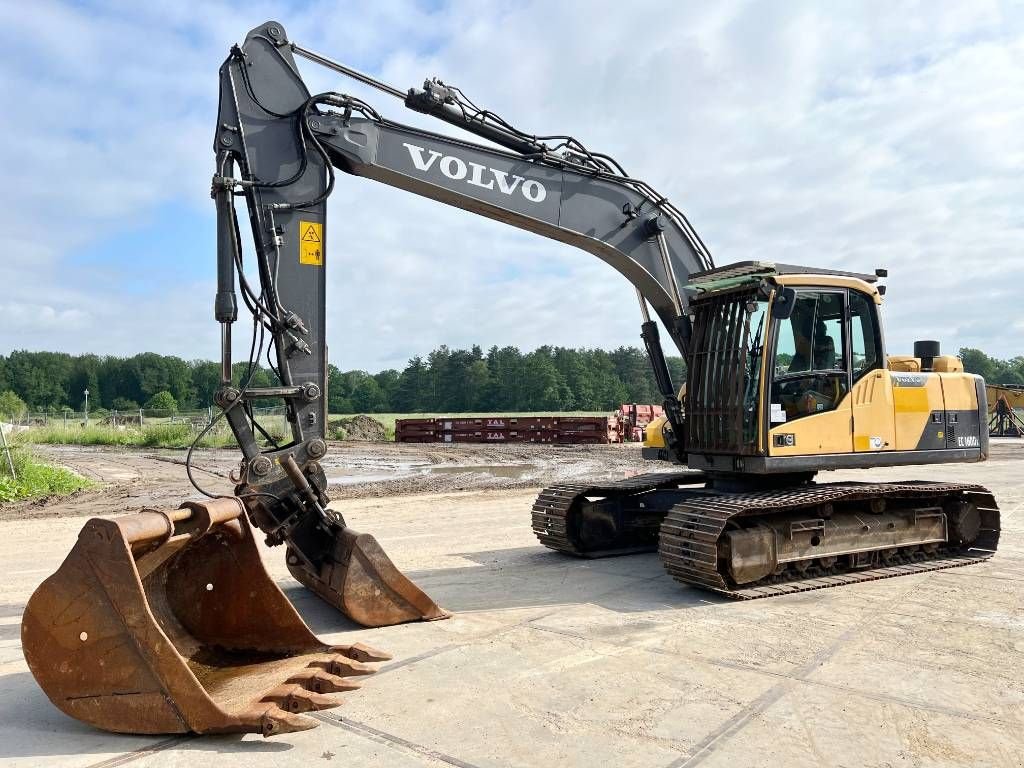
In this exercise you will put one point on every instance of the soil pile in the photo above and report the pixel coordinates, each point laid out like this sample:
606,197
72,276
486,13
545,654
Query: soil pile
360,427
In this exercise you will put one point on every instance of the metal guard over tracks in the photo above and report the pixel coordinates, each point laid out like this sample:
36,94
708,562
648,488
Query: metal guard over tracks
689,535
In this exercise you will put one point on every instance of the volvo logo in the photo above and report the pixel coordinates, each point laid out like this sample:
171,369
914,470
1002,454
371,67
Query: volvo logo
457,169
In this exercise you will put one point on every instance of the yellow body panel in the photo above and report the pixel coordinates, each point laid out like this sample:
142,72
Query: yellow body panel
904,363
827,432
873,425
914,406
940,364
885,411
654,433
958,391
947,364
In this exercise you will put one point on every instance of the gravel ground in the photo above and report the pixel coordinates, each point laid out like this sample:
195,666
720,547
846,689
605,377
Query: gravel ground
128,479
550,660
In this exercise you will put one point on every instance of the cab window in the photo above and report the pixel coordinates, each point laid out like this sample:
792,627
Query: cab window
810,374
864,338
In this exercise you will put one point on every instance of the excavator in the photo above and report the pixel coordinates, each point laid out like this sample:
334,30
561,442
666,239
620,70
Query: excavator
166,621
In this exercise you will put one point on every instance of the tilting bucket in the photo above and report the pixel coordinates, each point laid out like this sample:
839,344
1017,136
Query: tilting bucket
168,623
360,580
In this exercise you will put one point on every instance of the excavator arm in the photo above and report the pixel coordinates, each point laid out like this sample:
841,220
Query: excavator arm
280,147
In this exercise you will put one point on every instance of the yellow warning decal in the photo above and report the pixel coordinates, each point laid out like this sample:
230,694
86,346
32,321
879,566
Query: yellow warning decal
311,243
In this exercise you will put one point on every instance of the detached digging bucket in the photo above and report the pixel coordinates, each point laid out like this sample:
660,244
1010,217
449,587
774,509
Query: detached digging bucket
361,581
168,623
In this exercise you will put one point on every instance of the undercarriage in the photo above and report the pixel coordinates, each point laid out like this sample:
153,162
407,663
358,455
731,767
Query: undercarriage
750,542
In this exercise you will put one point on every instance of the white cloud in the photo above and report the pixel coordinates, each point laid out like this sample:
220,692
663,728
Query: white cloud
850,136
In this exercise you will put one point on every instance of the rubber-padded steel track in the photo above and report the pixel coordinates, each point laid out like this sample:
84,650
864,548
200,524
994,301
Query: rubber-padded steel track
689,538
552,512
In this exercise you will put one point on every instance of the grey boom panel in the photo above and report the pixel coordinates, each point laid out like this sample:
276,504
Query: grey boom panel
559,203
257,122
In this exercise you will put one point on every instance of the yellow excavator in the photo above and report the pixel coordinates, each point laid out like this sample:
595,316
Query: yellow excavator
1005,402
165,621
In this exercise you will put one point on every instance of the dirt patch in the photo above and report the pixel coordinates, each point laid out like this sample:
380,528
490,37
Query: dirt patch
359,428
395,469
130,479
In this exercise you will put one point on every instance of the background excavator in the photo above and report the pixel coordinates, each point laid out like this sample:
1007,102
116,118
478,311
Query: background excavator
787,376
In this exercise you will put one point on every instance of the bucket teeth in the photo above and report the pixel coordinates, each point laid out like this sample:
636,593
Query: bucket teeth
323,682
295,698
175,626
361,652
342,666
275,721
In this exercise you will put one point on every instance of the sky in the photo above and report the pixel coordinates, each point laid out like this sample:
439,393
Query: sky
847,135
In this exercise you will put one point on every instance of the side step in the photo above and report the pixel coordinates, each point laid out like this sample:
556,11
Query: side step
689,543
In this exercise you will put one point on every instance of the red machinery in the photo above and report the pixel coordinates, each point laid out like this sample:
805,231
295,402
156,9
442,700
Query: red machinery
635,417
572,430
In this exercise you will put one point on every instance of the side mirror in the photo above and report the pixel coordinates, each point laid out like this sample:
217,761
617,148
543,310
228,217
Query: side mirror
785,300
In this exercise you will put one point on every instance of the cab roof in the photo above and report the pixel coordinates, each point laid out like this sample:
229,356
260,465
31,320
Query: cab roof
742,272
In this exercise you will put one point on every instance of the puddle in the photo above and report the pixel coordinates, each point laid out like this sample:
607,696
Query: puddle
377,477
398,471
512,471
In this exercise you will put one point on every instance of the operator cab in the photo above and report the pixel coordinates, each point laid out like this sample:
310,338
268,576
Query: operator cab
803,339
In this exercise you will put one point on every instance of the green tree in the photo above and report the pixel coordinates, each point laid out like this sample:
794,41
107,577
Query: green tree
162,401
85,374
41,379
163,373
337,393
387,380
976,361
460,380
124,404
11,406
368,397
543,389
504,390
412,393
205,381
993,370
437,368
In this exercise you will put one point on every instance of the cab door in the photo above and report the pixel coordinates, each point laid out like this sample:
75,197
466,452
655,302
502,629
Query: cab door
809,409
872,394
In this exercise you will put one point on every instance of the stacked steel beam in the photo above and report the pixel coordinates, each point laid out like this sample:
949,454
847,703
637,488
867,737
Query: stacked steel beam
573,430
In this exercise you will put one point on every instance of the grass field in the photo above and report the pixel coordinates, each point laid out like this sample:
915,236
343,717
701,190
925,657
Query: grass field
149,436
34,478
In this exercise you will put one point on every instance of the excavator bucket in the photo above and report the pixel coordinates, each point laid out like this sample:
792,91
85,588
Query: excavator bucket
361,581
168,623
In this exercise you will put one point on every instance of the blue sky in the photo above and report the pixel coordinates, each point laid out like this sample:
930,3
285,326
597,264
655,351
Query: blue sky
840,135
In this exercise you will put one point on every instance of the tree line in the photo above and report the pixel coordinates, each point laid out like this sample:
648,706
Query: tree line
445,381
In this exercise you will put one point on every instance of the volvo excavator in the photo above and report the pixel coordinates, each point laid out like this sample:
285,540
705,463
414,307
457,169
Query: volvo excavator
165,621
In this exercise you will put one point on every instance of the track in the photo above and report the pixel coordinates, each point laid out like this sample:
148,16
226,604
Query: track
690,534
553,512
688,542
